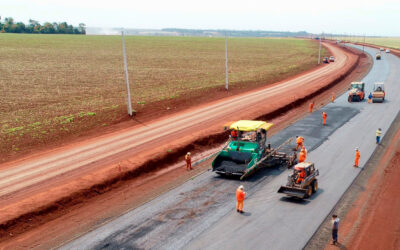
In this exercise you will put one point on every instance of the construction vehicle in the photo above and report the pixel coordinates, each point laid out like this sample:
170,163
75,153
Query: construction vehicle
356,93
378,95
325,60
378,56
331,58
301,189
248,150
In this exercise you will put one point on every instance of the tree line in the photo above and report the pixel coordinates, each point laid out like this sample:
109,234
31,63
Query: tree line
10,26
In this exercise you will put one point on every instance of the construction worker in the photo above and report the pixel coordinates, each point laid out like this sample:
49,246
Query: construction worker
299,142
311,106
301,175
234,134
378,135
188,159
369,97
324,116
357,158
335,229
302,155
305,150
240,195
333,97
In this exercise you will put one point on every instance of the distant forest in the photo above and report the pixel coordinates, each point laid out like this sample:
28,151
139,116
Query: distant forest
10,26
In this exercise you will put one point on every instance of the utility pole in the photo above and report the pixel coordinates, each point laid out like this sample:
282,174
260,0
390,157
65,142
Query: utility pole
226,63
319,51
364,42
126,75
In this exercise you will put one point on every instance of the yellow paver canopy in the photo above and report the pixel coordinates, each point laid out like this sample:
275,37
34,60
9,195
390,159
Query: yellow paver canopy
247,125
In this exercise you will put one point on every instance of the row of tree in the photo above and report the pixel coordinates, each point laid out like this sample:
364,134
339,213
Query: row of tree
10,26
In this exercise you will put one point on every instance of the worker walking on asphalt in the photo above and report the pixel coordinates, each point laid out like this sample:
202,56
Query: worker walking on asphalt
299,142
333,97
311,106
369,97
378,135
302,155
240,194
335,229
188,159
324,116
357,158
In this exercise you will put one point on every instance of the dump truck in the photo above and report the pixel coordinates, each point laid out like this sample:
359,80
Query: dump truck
298,188
378,95
356,93
378,56
248,150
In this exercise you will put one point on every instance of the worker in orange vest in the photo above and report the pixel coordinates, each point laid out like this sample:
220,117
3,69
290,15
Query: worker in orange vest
324,116
234,134
299,142
311,106
357,158
240,194
333,97
301,176
188,159
302,155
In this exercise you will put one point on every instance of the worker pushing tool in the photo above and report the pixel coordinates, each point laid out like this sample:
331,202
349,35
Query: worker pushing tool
302,155
311,106
324,116
240,195
299,142
357,158
188,159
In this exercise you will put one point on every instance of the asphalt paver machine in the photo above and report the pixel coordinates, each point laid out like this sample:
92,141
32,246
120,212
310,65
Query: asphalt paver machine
249,150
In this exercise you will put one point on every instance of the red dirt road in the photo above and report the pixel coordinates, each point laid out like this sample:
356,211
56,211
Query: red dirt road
28,184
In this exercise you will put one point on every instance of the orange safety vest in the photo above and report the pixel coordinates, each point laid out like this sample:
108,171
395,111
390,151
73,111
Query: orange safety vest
299,140
188,158
302,156
358,155
324,115
240,195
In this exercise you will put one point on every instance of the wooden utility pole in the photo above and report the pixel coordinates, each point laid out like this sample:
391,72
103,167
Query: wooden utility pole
126,76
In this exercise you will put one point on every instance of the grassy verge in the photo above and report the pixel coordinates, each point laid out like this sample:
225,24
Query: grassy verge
55,86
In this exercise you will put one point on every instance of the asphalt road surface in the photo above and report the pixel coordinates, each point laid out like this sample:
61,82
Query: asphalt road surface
201,213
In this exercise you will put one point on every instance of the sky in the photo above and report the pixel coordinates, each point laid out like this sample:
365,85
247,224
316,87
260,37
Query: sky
353,17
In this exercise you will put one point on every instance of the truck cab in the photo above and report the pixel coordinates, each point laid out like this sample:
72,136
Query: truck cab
356,93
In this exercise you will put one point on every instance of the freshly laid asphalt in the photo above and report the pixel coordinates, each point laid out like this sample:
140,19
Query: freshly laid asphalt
201,214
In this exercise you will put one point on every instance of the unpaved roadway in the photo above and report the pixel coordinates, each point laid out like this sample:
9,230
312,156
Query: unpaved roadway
201,213
22,180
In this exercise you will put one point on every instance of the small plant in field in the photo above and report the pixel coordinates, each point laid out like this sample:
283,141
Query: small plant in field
141,102
12,130
169,150
90,113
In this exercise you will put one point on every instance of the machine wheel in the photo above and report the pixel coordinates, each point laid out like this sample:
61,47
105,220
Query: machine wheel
309,191
315,186
350,99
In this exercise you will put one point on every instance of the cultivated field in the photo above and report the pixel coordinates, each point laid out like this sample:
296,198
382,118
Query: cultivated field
55,86
391,42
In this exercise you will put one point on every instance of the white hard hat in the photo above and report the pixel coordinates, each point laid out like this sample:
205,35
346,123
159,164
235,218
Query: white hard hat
241,187
188,153
356,149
